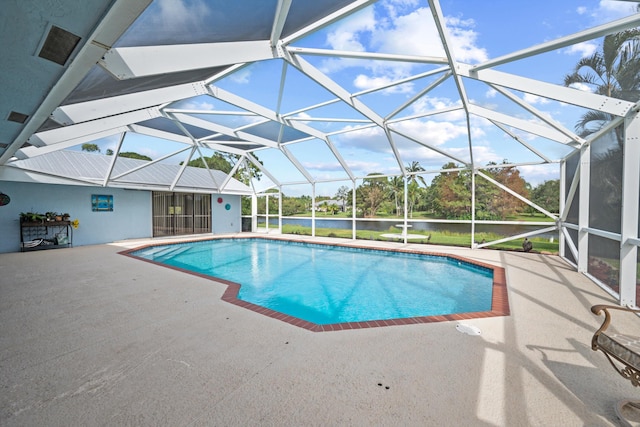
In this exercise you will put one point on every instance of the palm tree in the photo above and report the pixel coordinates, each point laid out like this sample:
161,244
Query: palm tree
413,184
613,72
395,187
415,167
342,195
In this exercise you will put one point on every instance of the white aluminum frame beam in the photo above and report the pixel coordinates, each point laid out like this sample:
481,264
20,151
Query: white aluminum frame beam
114,159
429,146
214,127
261,111
323,80
419,95
282,10
425,114
142,61
583,211
438,18
589,34
517,196
570,244
232,172
525,125
403,81
137,168
161,134
516,237
222,148
183,167
328,20
395,151
339,157
542,116
592,101
91,110
562,205
34,151
630,204
522,142
264,170
366,55
93,127
568,201
294,161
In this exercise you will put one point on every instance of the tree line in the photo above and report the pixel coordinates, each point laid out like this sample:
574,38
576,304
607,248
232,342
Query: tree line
448,195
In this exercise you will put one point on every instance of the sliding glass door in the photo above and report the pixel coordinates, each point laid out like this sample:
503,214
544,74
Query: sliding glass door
181,213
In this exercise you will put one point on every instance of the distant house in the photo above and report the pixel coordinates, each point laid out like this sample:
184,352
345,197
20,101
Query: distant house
324,204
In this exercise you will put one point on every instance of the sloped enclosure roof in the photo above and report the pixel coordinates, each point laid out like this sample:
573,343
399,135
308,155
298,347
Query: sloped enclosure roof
306,91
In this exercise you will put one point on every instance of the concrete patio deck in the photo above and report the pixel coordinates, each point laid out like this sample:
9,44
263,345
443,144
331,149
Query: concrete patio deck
90,337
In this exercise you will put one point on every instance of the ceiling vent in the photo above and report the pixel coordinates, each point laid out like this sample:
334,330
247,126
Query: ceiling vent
58,45
17,117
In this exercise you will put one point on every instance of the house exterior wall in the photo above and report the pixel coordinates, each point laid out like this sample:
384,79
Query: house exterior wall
130,218
223,219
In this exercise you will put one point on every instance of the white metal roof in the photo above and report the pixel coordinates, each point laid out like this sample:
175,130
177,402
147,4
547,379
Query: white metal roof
89,168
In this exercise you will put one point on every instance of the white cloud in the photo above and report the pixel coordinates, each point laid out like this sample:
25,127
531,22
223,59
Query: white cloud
537,174
581,86
323,166
197,104
349,33
491,93
483,154
173,16
583,49
370,139
364,82
388,29
430,103
615,9
432,132
241,76
416,34
463,39
608,10
303,115
535,99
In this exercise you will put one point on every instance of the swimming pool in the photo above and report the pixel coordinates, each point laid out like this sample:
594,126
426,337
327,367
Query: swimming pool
328,285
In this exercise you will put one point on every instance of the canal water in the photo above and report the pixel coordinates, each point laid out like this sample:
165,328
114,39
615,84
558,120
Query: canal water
385,225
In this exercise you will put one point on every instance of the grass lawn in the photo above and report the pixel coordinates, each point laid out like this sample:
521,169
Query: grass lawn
437,238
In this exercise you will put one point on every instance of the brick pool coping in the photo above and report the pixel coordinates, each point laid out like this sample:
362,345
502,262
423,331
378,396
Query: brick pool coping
499,300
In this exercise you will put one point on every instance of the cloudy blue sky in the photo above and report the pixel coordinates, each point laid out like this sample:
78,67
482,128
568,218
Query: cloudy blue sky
479,31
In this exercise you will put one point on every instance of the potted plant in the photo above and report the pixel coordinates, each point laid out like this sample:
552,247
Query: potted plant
65,216
32,217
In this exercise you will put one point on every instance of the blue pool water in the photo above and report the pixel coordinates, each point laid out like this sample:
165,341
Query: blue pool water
329,284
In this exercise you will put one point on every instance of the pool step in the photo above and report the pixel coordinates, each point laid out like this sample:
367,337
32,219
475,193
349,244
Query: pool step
158,252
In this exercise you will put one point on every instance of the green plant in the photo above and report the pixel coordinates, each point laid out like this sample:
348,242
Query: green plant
32,217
